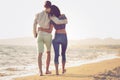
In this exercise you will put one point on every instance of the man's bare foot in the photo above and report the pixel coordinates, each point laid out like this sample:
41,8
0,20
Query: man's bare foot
57,74
63,71
48,72
41,74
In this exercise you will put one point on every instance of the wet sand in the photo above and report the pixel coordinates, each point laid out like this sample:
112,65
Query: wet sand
92,71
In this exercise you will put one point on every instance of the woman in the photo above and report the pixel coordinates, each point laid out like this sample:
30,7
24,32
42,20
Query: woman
60,37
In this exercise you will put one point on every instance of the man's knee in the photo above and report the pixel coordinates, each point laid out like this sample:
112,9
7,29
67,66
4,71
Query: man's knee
48,52
40,55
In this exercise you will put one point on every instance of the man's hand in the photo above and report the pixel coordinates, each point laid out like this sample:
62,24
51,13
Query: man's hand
35,34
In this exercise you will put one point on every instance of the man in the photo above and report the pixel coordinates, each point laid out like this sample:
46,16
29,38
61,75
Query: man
44,37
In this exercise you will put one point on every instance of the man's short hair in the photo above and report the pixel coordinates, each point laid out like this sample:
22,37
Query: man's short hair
47,4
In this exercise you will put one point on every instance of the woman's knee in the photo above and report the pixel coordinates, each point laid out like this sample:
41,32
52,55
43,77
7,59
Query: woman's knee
53,41
56,59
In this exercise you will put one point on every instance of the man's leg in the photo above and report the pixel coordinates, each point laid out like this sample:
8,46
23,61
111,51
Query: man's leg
40,51
48,40
48,62
40,63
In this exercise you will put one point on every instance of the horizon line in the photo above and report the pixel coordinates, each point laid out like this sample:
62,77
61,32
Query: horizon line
68,38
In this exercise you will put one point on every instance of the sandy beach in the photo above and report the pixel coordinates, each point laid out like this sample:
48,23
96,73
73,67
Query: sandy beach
92,71
89,62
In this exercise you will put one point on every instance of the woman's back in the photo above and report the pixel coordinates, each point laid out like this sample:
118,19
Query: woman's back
59,26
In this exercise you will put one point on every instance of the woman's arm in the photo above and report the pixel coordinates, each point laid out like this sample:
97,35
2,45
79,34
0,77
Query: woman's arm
46,30
58,21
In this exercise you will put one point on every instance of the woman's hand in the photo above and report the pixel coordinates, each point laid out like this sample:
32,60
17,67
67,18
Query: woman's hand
40,29
46,30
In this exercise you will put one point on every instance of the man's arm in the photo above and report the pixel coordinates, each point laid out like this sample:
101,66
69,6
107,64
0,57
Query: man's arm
58,21
35,27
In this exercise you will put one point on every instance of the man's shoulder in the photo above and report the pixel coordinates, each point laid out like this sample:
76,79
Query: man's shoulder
40,13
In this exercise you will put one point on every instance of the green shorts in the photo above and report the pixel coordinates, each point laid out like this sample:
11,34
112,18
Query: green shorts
44,38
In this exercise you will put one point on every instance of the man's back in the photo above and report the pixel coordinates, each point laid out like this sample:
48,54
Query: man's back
43,19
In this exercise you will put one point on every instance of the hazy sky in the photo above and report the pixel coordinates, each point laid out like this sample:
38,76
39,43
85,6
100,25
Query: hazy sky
87,18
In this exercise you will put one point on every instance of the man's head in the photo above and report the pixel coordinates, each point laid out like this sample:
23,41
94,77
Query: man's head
47,6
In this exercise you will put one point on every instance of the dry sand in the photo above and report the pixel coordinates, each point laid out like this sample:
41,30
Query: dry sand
83,72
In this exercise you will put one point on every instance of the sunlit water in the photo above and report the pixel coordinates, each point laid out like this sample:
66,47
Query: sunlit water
16,61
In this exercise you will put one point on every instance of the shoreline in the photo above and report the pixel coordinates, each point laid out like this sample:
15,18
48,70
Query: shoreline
95,60
78,63
82,68
68,65
83,62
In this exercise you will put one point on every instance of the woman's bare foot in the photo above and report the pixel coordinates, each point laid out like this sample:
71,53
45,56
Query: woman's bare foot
63,71
48,72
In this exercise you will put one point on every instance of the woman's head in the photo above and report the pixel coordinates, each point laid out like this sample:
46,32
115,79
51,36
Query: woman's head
55,11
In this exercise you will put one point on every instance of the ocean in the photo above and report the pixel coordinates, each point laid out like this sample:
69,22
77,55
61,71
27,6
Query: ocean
17,61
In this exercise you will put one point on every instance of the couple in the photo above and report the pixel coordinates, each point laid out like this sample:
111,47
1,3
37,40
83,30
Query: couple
47,20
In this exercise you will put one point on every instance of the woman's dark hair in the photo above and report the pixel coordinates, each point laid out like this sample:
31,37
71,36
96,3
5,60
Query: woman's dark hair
47,4
55,11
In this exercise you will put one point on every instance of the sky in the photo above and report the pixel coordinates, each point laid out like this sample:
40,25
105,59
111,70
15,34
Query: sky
86,18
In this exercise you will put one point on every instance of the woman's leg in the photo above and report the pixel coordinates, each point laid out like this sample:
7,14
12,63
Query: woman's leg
56,50
64,47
